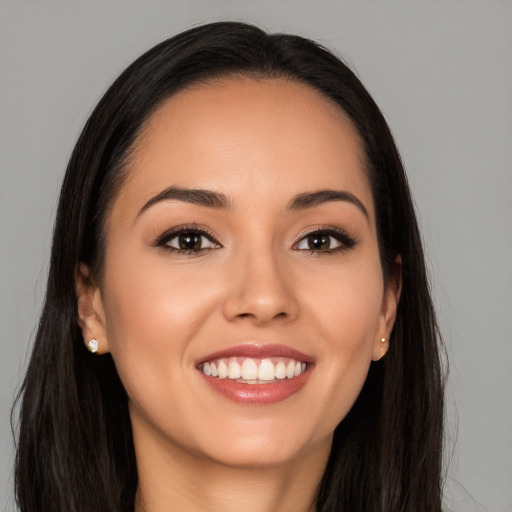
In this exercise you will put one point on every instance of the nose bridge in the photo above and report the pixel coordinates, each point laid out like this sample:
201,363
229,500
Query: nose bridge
260,288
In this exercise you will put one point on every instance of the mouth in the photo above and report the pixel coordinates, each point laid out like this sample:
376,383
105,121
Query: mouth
248,370
256,374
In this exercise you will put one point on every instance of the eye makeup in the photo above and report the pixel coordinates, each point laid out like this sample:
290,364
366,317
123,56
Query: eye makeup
325,240
193,239
187,240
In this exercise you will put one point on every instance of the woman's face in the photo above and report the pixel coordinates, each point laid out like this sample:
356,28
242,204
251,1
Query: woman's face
243,296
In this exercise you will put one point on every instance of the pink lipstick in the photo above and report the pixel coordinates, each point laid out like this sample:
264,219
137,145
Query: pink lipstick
256,374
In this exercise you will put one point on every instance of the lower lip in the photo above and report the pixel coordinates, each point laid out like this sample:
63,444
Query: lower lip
258,394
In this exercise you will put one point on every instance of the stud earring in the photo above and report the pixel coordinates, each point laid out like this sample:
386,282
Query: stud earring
92,346
383,340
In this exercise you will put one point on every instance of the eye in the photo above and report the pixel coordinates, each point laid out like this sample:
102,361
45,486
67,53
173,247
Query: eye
187,241
325,240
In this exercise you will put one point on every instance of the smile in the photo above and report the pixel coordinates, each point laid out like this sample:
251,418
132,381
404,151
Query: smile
250,370
253,374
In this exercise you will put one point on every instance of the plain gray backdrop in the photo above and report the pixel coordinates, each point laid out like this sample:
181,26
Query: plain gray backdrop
442,74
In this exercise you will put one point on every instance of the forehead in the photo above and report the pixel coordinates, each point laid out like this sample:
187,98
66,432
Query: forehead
244,134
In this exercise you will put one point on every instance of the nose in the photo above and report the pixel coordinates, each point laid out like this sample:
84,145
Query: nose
260,291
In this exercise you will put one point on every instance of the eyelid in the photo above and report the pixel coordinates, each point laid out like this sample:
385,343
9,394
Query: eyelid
345,240
175,231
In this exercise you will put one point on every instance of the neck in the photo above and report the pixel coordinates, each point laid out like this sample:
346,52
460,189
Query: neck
177,480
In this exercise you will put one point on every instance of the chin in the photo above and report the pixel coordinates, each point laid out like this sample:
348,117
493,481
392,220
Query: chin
256,456
275,447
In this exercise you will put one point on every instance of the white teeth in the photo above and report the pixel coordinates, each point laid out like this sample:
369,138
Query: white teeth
223,369
266,370
254,371
280,370
234,370
290,369
249,369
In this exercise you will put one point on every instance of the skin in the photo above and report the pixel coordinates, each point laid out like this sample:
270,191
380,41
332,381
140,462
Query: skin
260,143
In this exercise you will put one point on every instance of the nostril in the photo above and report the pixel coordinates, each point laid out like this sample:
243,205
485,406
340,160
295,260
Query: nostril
260,305
281,315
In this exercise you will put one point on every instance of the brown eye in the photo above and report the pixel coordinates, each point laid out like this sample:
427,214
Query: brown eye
319,242
326,240
188,241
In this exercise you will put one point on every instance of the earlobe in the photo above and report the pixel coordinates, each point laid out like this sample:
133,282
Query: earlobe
91,315
380,349
388,311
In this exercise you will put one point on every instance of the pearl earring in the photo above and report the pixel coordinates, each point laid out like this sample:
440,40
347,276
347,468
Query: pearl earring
383,340
92,346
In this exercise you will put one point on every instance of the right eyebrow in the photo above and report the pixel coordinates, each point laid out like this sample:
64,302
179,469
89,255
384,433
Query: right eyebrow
200,197
312,199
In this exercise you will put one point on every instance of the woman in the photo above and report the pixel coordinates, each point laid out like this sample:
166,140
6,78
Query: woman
236,247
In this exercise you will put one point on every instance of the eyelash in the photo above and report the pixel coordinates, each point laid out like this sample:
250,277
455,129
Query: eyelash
164,239
345,241
342,237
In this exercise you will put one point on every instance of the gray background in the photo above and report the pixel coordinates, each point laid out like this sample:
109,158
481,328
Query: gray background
441,72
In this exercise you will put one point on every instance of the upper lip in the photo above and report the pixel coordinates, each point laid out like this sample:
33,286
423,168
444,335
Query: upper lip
257,351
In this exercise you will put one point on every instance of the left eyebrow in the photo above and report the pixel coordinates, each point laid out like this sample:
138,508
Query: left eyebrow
200,197
311,199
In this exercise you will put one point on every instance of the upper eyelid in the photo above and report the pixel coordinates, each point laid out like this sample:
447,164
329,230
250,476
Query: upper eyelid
311,230
204,231
177,230
345,238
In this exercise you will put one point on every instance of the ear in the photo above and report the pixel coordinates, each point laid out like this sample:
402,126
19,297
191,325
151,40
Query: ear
91,315
388,310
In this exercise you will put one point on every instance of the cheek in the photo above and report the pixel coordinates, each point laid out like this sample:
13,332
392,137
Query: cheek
345,314
152,314
347,301
145,296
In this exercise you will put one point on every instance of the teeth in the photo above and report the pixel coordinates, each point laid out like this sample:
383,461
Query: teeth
234,370
266,370
249,369
290,369
254,371
223,369
280,370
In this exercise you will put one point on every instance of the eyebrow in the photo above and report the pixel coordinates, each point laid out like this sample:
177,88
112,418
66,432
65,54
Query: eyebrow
311,199
218,200
200,197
